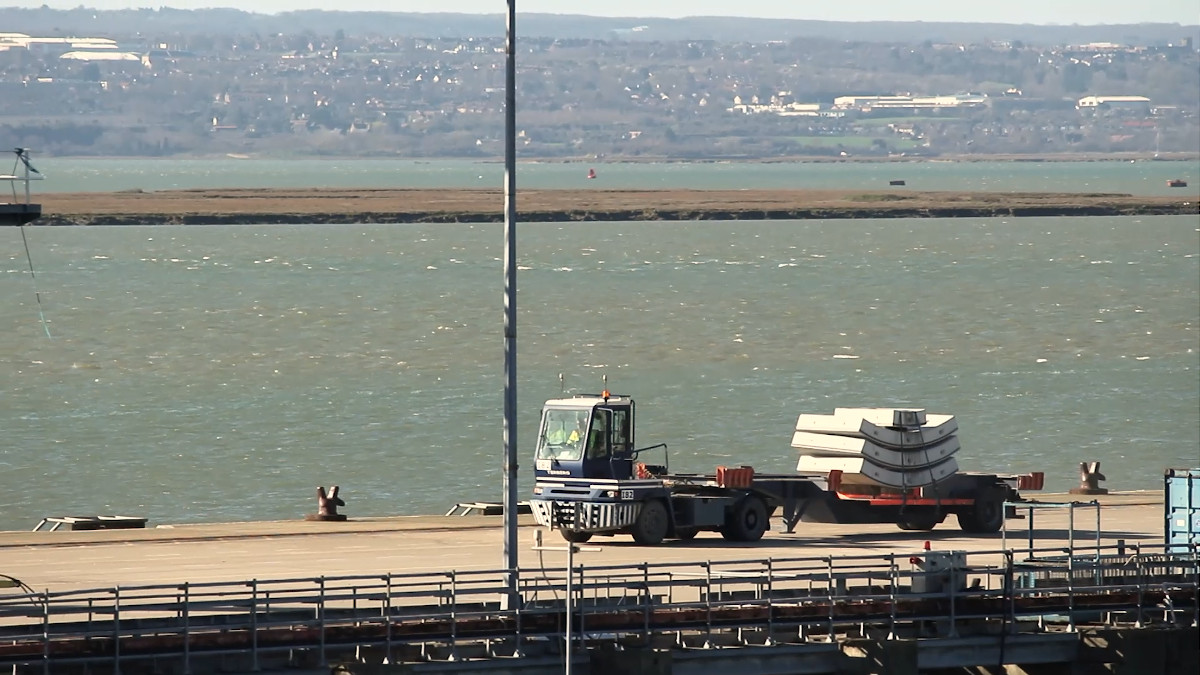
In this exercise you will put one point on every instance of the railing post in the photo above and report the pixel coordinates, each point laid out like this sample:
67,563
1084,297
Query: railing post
830,586
894,573
1010,590
187,632
518,618
1029,552
46,633
1071,530
1071,584
580,593
954,576
453,615
321,616
117,630
567,605
708,591
387,616
648,600
770,603
254,625
1141,582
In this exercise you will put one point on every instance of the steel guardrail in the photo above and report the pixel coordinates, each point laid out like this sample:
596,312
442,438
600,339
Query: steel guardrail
807,595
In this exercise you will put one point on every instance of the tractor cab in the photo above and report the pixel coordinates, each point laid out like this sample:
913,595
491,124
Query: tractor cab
586,436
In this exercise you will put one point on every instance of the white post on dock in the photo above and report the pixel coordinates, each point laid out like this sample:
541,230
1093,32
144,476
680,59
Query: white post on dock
568,606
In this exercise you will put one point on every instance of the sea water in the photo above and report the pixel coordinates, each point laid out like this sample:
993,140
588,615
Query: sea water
222,373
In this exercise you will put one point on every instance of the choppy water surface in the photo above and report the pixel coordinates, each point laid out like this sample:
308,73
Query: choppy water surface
222,373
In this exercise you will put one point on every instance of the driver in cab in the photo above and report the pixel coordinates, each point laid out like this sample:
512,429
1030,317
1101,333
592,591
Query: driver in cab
567,442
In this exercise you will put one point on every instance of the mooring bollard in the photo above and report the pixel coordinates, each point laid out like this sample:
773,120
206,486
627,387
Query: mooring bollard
1089,480
327,505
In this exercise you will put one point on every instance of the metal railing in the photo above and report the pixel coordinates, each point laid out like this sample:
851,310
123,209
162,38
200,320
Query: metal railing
436,615
27,173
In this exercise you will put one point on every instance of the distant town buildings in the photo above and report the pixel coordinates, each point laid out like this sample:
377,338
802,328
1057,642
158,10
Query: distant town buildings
68,48
781,104
282,93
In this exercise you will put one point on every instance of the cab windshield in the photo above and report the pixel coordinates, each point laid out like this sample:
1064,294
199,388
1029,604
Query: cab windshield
563,433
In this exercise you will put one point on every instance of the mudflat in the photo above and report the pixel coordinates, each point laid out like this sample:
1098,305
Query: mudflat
310,205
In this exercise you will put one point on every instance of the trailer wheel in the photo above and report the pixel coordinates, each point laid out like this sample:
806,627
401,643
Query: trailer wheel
651,525
918,521
575,537
987,514
747,522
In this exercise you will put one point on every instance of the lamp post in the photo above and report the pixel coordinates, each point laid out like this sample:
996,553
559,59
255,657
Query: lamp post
511,600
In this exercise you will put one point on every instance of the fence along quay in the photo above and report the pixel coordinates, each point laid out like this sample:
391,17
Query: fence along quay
1090,610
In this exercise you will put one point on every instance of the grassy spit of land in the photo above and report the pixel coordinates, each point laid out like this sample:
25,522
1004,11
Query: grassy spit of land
308,205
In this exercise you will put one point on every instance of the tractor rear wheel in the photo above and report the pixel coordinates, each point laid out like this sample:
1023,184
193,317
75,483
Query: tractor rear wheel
747,521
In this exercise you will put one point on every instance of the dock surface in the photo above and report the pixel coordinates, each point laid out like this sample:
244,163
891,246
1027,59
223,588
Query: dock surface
71,560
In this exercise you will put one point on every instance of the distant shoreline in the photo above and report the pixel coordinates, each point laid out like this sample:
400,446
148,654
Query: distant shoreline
642,159
332,205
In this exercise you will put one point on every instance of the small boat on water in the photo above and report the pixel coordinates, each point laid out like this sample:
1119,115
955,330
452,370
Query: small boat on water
1176,182
895,182
591,173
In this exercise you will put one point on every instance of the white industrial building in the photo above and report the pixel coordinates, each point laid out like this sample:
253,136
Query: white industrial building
868,103
1132,104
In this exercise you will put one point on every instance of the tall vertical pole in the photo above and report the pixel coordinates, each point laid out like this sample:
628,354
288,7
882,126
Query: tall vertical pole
510,308
570,602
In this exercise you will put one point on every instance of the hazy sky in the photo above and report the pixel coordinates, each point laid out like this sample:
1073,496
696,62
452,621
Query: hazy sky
1005,11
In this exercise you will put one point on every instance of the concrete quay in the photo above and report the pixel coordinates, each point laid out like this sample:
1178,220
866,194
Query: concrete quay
162,553
680,635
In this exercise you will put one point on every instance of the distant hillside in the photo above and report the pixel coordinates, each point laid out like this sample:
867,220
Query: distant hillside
83,21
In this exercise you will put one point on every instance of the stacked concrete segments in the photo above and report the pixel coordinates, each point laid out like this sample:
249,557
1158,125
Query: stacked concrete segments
899,448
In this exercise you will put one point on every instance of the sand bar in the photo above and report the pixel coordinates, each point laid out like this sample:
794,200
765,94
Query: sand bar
309,205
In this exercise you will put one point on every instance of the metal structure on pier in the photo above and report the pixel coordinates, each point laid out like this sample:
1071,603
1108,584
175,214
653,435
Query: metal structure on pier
1030,608
21,209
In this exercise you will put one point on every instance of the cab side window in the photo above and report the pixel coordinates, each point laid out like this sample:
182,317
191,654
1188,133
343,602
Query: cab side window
597,444
620,432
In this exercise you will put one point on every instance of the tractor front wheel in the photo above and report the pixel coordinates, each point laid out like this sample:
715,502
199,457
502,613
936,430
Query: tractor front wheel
651,525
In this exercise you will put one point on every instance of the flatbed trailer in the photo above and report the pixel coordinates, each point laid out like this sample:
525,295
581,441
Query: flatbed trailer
590,483
687,504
